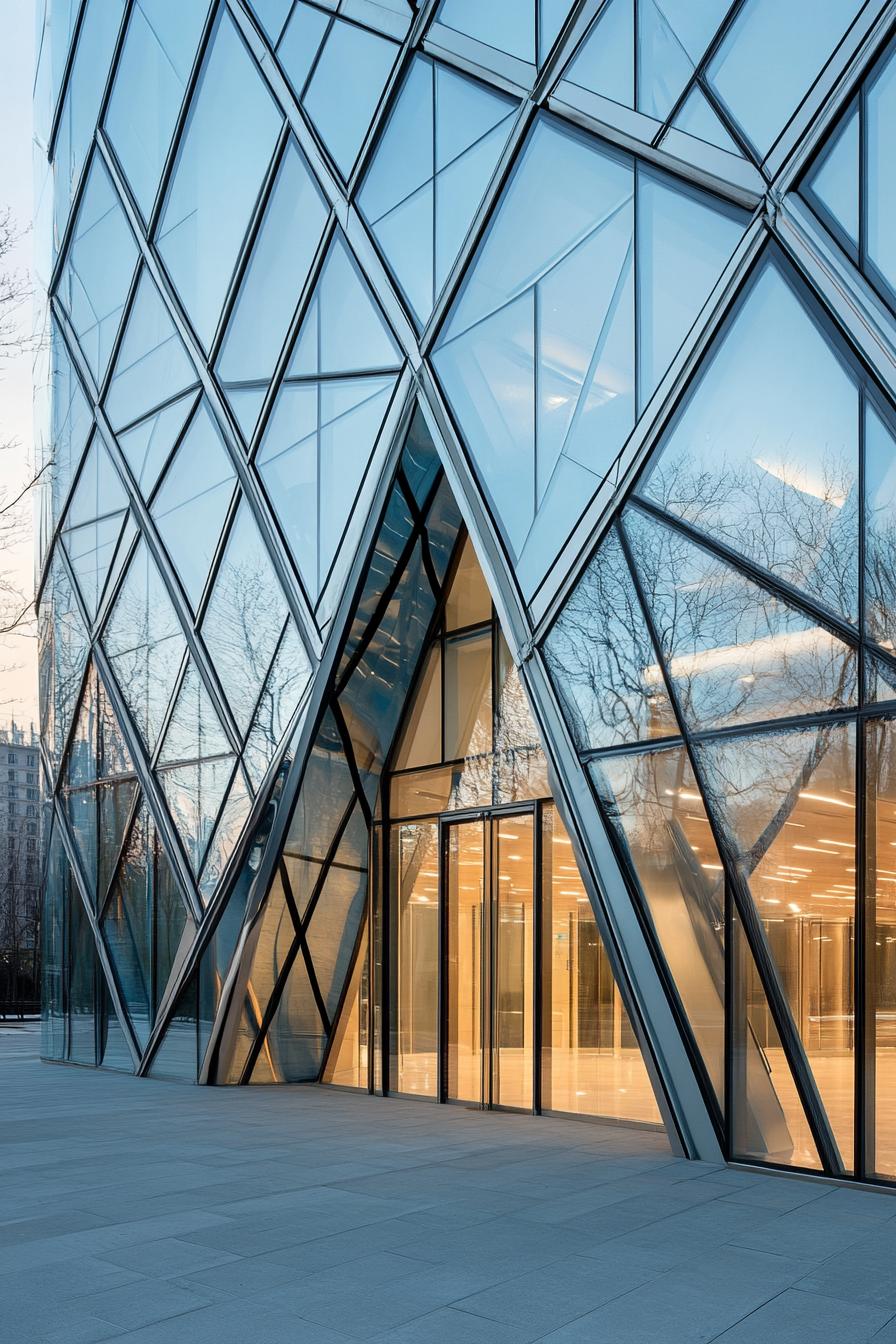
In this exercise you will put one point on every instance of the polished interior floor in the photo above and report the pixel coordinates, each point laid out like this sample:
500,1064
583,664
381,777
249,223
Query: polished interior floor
155,1213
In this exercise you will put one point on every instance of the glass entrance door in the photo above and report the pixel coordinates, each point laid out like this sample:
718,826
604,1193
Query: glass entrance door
489,902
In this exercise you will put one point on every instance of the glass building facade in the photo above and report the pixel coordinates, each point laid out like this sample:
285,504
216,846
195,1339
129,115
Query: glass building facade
467,556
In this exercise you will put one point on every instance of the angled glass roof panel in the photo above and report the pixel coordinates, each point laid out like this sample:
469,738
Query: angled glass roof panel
227,143
880,175
281,258
505,25
764,453
98,269
272,14
191,505
605,61
151,366
345,88
152,74
772,43
300,43
245,616
834,181
734,652
696,117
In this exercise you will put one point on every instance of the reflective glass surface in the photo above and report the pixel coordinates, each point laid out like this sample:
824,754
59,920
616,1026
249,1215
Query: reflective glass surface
226,146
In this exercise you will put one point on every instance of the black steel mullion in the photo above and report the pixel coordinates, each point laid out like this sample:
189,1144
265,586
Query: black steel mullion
749,919
348,748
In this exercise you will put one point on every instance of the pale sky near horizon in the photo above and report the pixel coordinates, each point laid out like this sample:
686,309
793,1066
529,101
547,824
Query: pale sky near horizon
18,655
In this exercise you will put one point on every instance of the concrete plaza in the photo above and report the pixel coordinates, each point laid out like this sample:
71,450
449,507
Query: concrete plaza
153,1213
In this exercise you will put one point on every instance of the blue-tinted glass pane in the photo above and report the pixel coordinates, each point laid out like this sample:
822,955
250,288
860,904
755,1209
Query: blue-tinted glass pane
245,617
765,452
672,37
605,62
343,330
96,43
147,446
301,42
684,241
72,421
144,643
505,24
537,356
435,159
734,652
834,182
313,460
98,269
149,86
602,661
279,265
191,505
771,46
345,88
696,117
224,155
272,15
880,120
93,523
152,365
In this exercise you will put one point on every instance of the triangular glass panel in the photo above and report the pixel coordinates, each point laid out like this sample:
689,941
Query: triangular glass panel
80,809
675,278
834,182
114,1052
272,14
735,652
313,459
505,25
174,928
295,1040
769,1121
286,683
346,86
151,76
93,523
786,803
193,500
194,730
71,423
775,476
144,643
664,66
148,445
333,927
605,61
63,644
128,927
194,794
177,1055
227,143
343,330
300,41
551,17
434,161
601,658
278,267
152,366
347,1061
880,679
101,258
82,761
245,616
116,803
233,817
696,117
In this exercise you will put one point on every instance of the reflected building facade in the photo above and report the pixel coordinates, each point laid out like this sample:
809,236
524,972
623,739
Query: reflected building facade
467,562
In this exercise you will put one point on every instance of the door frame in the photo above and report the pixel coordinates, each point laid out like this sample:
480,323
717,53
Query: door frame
490,819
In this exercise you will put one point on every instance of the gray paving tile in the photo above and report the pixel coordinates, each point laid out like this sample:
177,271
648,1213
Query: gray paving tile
449,1326
143,1303
795,1317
